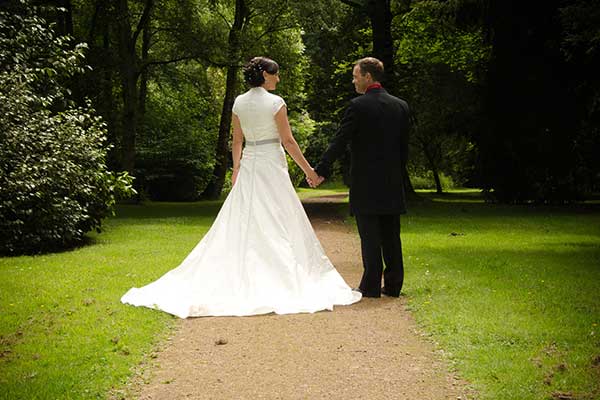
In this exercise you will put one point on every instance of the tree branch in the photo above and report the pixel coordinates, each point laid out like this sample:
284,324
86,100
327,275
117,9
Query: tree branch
164,62
273,30
94,21
216,9
203,57
143,20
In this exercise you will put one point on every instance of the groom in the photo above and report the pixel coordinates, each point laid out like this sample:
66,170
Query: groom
375,125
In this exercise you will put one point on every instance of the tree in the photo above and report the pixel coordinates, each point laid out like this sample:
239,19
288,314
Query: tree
380,16
234,55
443,65
580,45
527,151
128,39
130,71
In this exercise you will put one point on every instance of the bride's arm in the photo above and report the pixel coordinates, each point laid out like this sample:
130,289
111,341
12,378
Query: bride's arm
290,144
236,146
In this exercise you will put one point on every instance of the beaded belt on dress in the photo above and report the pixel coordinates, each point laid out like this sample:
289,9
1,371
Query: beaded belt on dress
259,142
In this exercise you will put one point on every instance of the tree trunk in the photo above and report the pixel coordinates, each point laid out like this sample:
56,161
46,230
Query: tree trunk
433,165
129,76
380,14
438,183
129,71
214,188
144,75
107,103
64,19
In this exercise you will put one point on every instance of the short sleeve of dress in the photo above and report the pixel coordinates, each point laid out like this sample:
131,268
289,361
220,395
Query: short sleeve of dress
235,106
278,102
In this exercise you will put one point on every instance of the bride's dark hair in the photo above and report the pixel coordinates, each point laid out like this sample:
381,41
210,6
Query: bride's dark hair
254,68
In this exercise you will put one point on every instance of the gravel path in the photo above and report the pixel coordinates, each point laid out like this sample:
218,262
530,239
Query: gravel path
370,350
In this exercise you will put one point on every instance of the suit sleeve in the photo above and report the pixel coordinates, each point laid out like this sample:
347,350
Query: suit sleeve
338,144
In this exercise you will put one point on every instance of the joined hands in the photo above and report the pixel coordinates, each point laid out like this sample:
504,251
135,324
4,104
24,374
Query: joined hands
314,179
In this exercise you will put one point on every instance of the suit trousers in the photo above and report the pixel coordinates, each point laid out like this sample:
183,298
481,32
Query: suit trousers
380,234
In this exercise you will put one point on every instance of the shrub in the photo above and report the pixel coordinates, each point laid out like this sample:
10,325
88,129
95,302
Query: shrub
54,185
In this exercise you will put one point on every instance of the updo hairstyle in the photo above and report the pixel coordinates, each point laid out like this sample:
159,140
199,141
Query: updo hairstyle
254,68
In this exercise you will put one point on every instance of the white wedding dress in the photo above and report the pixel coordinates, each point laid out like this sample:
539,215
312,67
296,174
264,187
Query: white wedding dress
261,254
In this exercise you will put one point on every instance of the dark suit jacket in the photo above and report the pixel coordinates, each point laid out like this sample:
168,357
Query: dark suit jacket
376,126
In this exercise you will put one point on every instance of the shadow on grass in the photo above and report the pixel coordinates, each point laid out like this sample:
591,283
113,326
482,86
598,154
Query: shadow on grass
332,205
569,258
86,241
475,196
161,210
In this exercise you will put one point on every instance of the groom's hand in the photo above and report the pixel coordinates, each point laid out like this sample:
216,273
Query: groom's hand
313,183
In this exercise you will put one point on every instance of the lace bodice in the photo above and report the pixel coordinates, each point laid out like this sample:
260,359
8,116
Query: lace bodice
256,110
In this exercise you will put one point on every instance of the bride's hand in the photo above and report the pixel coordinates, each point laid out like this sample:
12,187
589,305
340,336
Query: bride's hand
313,178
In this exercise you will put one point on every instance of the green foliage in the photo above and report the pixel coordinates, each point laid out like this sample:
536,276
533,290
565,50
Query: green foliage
335,36
581,47
54,186
175,156
581,30
430,35
443,64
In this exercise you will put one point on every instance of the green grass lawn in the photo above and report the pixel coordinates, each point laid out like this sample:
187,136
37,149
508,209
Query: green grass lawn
511,293
512,297
63,332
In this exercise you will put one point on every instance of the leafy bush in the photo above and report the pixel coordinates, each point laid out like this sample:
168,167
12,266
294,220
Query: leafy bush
54,186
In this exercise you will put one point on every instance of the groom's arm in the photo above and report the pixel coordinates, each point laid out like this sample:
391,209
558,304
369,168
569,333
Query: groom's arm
338,143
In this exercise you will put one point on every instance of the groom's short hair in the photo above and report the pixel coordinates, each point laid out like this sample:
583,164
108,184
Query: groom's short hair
372,66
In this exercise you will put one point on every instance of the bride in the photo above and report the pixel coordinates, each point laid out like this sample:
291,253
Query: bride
261,254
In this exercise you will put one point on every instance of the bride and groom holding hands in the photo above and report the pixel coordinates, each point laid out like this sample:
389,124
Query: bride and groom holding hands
261,254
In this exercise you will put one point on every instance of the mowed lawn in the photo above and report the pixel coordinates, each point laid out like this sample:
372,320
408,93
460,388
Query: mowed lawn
64,332
510,293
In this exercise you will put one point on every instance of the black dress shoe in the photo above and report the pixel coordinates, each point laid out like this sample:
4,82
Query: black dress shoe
365,294
390,293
